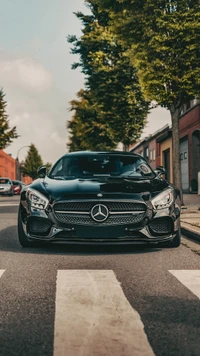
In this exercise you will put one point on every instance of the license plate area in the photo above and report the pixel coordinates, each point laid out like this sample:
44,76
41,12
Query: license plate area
99,232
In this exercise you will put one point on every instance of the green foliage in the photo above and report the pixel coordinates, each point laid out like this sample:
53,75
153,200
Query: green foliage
32,162
114,109
7,135
88,132
163,37
48,166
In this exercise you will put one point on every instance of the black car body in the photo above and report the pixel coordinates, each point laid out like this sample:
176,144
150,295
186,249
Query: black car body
100,197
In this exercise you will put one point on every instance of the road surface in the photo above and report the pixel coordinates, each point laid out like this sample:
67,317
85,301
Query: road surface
102,301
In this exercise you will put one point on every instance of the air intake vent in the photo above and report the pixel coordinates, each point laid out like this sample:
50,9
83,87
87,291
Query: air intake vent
39,227
161,226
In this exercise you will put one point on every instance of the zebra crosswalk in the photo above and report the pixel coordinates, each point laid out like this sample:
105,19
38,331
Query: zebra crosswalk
94,317
190,279
1,272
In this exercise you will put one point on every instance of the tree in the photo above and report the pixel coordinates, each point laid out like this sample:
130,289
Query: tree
163,37
111,81
48,166
7,135
88,130
32,162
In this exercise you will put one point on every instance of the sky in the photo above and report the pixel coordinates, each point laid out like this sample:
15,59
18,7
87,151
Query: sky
36,74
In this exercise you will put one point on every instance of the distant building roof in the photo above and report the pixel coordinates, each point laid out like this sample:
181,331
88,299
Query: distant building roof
151,136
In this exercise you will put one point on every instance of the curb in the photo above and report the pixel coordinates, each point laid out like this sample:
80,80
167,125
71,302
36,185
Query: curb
191,234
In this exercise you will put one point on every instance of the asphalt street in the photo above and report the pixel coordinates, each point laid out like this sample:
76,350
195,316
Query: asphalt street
71,300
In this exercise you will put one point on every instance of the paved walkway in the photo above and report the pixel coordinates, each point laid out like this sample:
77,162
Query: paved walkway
190,217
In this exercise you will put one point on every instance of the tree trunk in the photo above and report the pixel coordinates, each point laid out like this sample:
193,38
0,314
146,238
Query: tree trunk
177,181
126,147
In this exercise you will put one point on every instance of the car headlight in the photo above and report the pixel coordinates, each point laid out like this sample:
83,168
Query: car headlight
36,199
163,200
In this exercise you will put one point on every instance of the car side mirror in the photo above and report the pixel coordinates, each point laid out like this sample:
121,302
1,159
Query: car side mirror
42,171
160,170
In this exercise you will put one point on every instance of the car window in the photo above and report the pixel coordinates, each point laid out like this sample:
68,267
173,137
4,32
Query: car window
4,181
93,165
16,183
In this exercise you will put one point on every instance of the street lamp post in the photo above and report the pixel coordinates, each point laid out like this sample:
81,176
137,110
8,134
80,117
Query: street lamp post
18,173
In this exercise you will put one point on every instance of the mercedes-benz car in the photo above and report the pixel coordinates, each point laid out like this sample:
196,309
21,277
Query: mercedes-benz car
6,186
100,198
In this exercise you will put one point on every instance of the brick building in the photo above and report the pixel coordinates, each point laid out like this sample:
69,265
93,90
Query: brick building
161,142
7,166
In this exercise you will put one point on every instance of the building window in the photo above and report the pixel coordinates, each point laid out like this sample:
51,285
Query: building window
151,155
154,154
146,153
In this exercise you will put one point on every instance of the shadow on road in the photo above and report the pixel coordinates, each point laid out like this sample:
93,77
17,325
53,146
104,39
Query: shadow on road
9,242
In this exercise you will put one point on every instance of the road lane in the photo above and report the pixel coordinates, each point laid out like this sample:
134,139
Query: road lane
169,311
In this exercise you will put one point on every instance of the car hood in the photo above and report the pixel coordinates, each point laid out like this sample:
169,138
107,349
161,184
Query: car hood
104,187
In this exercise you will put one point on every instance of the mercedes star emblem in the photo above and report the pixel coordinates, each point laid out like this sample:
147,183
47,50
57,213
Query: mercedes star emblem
99,213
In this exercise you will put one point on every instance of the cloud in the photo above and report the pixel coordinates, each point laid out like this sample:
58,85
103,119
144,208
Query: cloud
25,73
32,107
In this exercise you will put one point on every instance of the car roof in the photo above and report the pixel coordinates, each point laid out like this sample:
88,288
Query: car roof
90,153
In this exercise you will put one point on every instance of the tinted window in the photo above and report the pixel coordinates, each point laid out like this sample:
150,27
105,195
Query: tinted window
101,164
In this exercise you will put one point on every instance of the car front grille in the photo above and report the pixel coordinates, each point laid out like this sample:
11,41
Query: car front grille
87,220
119,212
112,206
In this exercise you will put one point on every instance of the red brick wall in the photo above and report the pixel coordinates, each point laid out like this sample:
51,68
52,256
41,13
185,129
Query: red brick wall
189,121
27,179
7,165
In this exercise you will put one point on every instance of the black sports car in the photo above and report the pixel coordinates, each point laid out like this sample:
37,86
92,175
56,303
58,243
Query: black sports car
100,197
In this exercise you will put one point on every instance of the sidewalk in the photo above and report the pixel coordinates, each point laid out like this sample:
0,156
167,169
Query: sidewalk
190,217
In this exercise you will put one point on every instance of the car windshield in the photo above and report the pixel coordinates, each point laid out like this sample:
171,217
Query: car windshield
101,165
4,181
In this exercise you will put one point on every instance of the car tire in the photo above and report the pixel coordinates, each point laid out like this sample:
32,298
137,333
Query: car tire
24,242
177,240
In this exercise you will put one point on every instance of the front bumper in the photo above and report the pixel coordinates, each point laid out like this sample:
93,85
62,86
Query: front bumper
6,192
42,226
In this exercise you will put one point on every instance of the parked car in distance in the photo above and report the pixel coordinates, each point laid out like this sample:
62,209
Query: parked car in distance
100,198
17,186
6,186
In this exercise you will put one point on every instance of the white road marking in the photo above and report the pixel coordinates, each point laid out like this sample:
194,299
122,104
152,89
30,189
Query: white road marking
190,279
1,272
93,317
14,204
